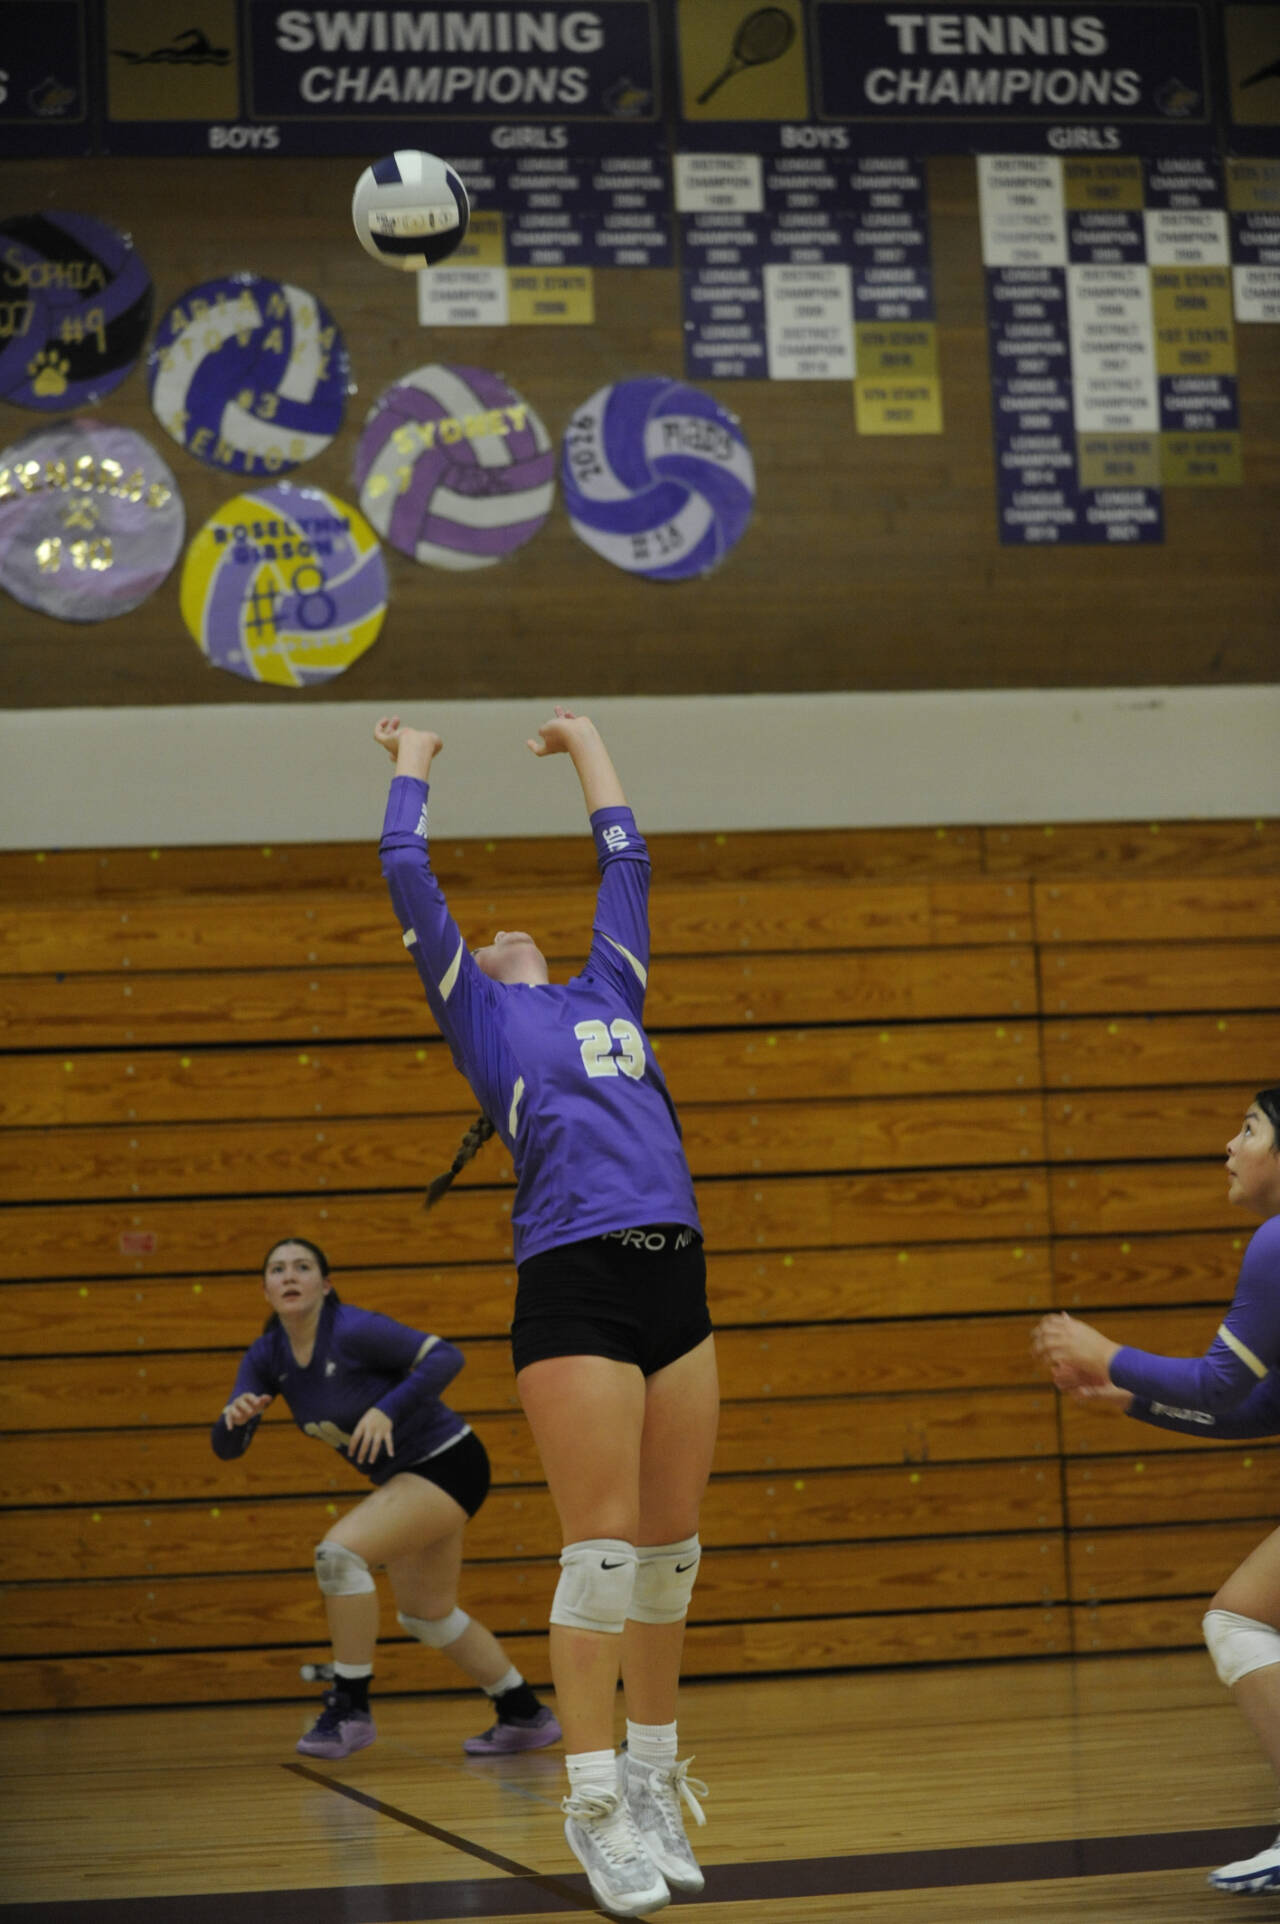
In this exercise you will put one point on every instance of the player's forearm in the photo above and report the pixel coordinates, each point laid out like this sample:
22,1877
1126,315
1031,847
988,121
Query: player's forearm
601,787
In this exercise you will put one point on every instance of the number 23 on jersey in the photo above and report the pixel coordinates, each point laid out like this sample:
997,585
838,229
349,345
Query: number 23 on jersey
608,1049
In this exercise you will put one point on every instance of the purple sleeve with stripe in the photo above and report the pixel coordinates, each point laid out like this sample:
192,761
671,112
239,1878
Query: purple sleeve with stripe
1258,1415
428,1363
462,999
255,1376
1245,1349
620,930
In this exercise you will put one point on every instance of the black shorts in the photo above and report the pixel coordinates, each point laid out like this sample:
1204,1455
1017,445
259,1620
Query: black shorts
636,1295
461,1470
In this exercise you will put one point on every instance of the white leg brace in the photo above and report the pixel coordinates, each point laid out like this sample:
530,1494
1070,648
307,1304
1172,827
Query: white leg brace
665,1575
437,1631
1239,1644
340,1572
596,1579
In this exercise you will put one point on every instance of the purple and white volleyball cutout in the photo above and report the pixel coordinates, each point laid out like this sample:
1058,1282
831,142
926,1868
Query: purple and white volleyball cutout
657,478
454,468
249,375
75,307
91,520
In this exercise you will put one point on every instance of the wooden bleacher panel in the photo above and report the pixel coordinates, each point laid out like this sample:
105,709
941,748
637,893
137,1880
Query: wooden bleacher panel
1105,978
301,1005
1168,1562
416,1079
1098,850
1152,1052
1096,1125
1157,1269
1192,1486
932,1086
1157,909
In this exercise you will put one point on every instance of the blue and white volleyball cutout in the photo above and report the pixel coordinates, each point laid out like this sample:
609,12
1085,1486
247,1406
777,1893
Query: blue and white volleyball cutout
657,478
249,375
410,210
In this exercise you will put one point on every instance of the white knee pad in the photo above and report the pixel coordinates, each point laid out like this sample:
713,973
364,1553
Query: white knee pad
665,1575
1239,1644
340,1572
437,1631
596,1580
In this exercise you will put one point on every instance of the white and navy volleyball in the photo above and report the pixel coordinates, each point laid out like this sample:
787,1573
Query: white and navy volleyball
454,468
410,210
657,478
249,374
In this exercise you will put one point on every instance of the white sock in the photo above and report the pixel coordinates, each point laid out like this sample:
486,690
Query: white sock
512,1681
353,1669
652,1744
593,1770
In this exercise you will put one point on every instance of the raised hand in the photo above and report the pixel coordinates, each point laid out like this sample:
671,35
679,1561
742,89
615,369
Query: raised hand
557,736
411,749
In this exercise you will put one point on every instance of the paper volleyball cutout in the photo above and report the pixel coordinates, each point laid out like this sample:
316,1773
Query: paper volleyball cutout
91,520
75,307
285,585
453,468
657,478
249,375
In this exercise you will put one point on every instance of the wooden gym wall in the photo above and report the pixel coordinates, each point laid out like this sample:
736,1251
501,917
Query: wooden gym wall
933,1083
871,563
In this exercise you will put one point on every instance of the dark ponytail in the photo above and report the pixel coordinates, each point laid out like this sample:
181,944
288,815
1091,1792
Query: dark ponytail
474,1140
1268,1100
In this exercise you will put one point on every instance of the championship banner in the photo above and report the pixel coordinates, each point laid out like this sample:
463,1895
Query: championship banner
1253,197
45,100
1112,347
1073,77
1251,57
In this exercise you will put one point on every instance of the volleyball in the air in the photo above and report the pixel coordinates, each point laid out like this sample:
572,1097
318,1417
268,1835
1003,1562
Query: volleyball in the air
410,210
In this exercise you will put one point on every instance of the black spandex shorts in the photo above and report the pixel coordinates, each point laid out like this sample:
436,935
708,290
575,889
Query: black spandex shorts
461,1470
637,1295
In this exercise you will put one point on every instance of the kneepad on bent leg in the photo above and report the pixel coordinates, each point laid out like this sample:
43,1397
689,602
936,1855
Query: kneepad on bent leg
665,1576
439,1632
340,1572
1239,1645
596,1580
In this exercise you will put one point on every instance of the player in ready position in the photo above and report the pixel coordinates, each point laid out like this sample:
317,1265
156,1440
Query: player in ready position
371,1387
1232,1391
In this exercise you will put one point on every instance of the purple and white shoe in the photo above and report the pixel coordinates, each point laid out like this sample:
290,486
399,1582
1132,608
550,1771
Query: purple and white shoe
515,1733
339,1730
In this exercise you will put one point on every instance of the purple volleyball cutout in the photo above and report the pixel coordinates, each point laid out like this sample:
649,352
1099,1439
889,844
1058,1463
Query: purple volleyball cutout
657,478
91,520
75,307
454,468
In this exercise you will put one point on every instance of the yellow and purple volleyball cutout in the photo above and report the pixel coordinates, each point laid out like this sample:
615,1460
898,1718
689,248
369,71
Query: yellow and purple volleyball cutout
657,478
75,307
285,585
91,520
249,375
454,469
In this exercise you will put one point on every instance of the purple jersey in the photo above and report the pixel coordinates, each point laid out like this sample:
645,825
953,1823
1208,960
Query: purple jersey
360,1359
564,1071
1234,1389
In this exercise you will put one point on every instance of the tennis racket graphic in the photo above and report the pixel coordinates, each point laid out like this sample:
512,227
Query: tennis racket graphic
763,36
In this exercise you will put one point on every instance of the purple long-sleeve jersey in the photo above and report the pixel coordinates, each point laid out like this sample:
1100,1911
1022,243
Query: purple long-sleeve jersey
360,1359
563,1070
1234,1389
